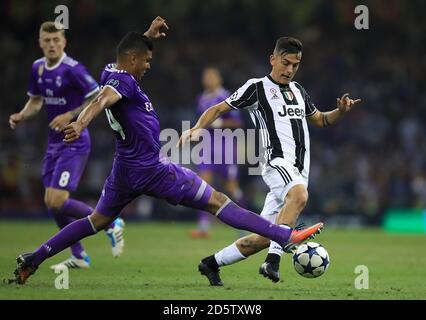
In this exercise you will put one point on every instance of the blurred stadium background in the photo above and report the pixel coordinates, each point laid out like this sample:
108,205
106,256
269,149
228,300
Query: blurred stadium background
371,163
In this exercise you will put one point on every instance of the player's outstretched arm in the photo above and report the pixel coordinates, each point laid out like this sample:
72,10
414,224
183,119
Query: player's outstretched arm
344,104
154,31
61,121
31,108
105,98
206,119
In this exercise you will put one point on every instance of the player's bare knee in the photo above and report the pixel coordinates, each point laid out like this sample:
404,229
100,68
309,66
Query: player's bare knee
99,221
220,197
299,199
216,201
55,200
46,199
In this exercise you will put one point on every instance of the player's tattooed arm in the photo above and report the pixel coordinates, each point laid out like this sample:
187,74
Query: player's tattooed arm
205,121
31,108
61,121
324,119
154,31
106,97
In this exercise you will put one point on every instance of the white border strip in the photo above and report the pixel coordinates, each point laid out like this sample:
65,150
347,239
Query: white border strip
223,206
93,227
92,92
200,191
33,95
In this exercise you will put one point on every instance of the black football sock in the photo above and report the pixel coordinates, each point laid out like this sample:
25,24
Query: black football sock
273,258
211,262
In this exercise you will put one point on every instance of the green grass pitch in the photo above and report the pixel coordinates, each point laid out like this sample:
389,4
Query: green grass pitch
160,262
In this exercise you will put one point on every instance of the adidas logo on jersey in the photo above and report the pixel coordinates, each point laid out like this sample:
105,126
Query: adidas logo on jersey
291,112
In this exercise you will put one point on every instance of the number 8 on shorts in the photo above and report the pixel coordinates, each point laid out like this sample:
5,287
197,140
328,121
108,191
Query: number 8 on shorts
63,180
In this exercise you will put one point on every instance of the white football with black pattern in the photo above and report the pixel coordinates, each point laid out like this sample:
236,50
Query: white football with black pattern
311,260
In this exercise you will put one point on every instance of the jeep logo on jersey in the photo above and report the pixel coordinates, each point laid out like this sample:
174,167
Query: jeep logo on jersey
113,83
292,112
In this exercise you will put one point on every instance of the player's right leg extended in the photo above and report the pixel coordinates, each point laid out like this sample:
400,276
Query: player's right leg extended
73,232
230,213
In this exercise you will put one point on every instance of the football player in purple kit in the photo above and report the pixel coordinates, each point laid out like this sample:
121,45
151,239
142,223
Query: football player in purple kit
64,87
138,167
213,94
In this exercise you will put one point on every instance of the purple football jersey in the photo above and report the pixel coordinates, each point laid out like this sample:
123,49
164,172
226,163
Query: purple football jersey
138,167
135,123
207,100
63,87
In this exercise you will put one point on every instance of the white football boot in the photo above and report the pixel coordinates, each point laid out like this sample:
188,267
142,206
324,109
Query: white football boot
73,263
116,237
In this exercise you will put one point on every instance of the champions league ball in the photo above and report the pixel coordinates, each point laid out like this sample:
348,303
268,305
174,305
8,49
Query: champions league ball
311,260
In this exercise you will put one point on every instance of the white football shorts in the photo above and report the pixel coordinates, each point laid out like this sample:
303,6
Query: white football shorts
280,175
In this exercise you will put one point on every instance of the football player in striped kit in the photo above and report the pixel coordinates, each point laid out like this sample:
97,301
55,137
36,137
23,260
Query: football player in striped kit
279,107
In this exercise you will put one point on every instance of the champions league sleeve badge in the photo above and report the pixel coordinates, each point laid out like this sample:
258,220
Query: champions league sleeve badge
40,70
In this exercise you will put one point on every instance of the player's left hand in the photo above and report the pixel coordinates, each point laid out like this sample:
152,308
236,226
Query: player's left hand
60,122
154,31
72,131
189,135
345,104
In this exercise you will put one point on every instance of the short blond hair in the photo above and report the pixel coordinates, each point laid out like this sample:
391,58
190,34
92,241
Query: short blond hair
50,27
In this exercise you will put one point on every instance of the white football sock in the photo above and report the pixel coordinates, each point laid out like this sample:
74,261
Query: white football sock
229,255
275,248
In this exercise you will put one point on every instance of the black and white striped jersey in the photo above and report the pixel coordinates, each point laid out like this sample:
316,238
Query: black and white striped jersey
280,112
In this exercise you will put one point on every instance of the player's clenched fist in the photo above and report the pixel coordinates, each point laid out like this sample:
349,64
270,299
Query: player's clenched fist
72,132
14,119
